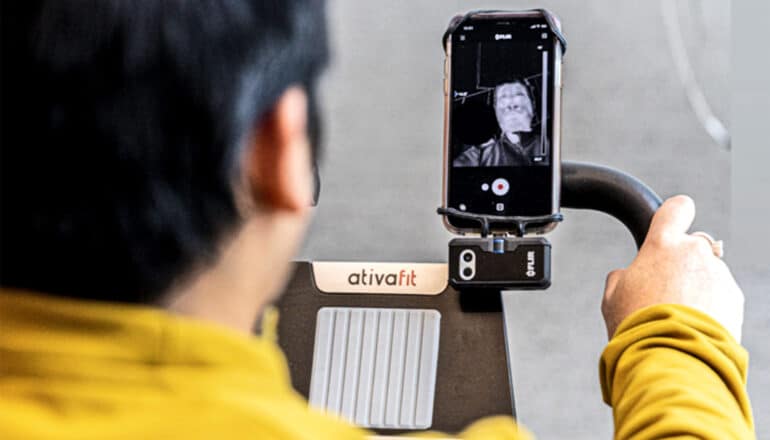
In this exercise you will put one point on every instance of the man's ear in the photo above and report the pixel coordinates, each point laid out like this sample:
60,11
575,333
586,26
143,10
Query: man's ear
278,164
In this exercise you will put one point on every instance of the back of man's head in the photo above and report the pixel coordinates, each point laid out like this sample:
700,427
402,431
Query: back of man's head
122,124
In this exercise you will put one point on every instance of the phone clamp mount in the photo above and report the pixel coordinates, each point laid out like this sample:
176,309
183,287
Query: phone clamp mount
489,264
553,24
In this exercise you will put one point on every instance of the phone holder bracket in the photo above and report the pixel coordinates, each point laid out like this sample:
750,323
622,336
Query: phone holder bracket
486,220
550,18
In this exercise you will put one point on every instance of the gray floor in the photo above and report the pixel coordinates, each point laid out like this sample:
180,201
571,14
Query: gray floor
623,106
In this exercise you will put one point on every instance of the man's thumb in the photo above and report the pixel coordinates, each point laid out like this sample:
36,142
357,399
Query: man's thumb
675,216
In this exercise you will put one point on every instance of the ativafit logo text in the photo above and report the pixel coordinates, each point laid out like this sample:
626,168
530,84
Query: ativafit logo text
404,277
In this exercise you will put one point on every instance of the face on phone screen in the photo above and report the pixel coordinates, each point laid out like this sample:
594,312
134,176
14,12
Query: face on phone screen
501,96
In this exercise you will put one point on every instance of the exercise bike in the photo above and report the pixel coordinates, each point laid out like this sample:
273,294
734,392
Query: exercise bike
394,348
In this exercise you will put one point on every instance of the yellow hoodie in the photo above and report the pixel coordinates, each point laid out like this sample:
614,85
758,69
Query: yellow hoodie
73,369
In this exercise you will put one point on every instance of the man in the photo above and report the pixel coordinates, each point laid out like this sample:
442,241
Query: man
156,180
516,144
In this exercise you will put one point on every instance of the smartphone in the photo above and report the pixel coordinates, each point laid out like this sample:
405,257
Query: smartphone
502,108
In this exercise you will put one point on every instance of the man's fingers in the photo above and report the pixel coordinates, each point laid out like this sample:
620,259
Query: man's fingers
675,216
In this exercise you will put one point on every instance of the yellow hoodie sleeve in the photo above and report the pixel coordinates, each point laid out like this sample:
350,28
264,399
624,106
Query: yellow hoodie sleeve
673,371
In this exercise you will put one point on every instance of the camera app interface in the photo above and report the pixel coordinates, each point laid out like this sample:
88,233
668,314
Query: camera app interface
501,100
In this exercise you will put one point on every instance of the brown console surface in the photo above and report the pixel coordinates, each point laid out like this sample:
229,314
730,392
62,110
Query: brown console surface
472,377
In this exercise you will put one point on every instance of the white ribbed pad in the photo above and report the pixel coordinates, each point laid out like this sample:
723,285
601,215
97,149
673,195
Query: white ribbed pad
376,367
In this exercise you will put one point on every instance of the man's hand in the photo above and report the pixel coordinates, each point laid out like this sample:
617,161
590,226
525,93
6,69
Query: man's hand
674,267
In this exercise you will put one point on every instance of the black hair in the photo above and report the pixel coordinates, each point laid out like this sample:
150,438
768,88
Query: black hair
122,125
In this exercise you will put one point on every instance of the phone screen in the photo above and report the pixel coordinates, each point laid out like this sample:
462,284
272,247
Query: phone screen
501,152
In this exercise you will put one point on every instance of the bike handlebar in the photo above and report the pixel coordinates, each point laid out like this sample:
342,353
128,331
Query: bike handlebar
605,189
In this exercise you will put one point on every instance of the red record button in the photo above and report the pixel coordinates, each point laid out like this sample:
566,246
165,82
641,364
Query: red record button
500,187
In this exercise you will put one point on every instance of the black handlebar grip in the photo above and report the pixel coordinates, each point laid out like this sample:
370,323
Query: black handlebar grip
604,189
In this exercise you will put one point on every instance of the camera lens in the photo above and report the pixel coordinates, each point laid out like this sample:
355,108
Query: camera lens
467,256
467,272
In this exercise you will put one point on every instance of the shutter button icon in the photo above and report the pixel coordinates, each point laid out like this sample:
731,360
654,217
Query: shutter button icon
500,187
